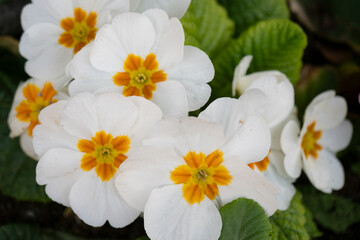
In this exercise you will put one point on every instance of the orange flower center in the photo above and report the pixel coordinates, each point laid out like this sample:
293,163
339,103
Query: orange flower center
140,76
79,30
309,141
104,153
35,100
261,165
201,176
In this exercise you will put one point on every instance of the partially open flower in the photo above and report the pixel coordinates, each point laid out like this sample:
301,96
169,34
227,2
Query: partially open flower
56,30
189,169
30,98
82,144
325,132
144,55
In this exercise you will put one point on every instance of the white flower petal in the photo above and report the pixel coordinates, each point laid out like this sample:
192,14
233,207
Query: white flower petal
135,33
87,78
287,190
32,15
328,113
144,170
280,97
174,8
227,112
57,8
50,64
108,53
26,144
119,213
168,216
290,136
171,97
194,72
326,172
169,44
38,38
319,98
148,115
57,162
87,199
292,162
79,117
58,188
251,141
337,138
240,83
49,133
247,183
116,114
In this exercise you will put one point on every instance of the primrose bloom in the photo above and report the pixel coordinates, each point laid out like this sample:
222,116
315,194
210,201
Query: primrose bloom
56,30
174,8
232,113
82,144
325,132
144,55
30,98
188,169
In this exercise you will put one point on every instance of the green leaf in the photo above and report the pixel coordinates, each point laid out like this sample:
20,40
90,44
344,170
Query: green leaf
246,13
290,224
333,212
207,26
310,225
244,219
275,45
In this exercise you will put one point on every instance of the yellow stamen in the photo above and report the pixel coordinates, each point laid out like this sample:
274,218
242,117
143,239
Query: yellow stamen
79,30
140,76
104,153
309,141
35,100
201,176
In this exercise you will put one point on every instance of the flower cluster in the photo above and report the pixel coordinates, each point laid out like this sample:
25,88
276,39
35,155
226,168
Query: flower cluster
106,114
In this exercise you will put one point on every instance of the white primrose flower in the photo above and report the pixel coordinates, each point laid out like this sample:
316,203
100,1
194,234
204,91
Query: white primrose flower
188,169
56,30
231,113
144,55
325,132
82,144
30,98
174,8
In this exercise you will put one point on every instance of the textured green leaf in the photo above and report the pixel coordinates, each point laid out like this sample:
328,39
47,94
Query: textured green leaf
310,225
290,224
207,26
244,219
331,211
275,45
17,172
246,13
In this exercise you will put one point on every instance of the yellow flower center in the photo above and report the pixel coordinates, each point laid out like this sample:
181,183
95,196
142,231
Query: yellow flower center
104,153
35,100
79,30
201,176
261,165
140,76
309,141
